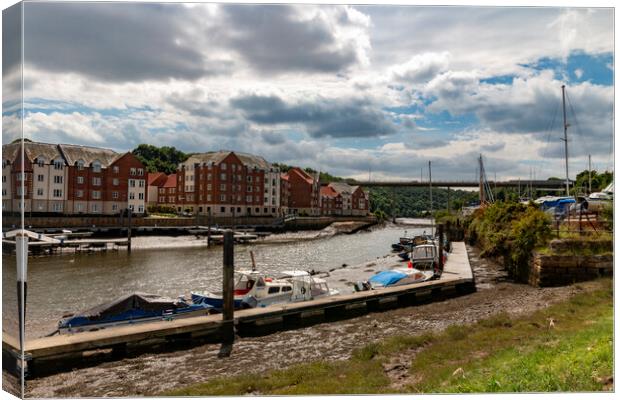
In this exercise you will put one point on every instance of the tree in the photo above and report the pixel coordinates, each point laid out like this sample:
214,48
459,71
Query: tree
159,159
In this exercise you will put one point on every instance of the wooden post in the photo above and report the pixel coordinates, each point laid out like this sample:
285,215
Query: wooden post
21,255
228,328
440,232
209,229
129,230
580,211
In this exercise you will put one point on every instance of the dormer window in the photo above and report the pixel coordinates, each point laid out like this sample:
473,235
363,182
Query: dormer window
223,166
40,162
5,163
96,166
58,164
80,165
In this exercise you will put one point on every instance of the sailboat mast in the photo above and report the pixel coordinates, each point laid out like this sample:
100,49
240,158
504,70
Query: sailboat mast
565,138
589,173
430,190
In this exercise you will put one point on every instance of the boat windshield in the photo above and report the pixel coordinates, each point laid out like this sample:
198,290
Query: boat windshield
423,252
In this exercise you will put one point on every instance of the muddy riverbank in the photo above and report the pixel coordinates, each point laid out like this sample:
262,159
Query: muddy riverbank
150,374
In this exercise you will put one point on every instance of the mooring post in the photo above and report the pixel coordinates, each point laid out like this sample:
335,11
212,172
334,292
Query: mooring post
228,327
129,230
440,233
21,255
209,229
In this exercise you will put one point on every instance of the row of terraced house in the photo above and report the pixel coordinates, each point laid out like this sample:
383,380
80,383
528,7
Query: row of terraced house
70,179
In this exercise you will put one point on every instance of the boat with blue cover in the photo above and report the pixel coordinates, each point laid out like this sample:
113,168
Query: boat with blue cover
133,308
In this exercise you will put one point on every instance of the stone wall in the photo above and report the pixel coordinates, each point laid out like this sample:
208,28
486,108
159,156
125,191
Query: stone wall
557,270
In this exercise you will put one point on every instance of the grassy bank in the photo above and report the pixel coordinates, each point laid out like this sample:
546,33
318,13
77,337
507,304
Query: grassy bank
500,354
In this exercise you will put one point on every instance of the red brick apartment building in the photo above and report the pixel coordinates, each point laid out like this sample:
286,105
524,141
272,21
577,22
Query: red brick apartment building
340,198
302,193
71,179
226,183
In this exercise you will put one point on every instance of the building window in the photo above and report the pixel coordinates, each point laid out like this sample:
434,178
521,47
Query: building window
223,187
208,197
115,195
161,191
97,167
80,207
79,193
58,164
132,183
39,192
141,183
222,197
40,162
94,208
96,194
4,192
248,199
57,207
140,196
209,176
208,186
223,176
114,207
171,199
132,171
140,171
96,181
80,165
40,178
115,169
249,178
249,189
132,195
173,190
57,193
57,178
222,209
19,177
223,166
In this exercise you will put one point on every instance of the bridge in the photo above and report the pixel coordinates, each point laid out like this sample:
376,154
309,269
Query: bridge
539,184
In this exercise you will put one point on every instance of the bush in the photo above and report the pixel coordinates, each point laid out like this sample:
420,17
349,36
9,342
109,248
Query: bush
510,230
161,209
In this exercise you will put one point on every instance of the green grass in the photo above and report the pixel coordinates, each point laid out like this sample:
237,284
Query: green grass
499,354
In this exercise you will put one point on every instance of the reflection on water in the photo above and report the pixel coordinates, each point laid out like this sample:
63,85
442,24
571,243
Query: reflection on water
70,282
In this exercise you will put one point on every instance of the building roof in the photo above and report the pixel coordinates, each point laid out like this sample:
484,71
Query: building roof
156,178
33,150
73,153
343,187
328,191
216,157
303,174
171,181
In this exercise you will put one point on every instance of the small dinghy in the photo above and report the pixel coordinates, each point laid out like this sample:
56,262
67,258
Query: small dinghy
130,309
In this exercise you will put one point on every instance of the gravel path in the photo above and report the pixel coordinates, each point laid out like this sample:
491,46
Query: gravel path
150,374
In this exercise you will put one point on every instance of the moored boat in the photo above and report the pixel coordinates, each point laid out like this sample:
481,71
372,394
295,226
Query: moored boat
256,289
130,309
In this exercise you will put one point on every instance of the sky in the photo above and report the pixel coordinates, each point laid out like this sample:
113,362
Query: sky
356,91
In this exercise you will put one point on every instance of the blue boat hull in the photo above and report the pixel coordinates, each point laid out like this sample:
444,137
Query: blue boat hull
213,300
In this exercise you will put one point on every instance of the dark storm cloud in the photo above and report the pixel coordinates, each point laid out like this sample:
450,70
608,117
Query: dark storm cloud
113,41
273,39
335,118
11,38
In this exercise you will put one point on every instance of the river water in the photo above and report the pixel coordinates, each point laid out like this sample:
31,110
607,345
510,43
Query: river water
172,266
